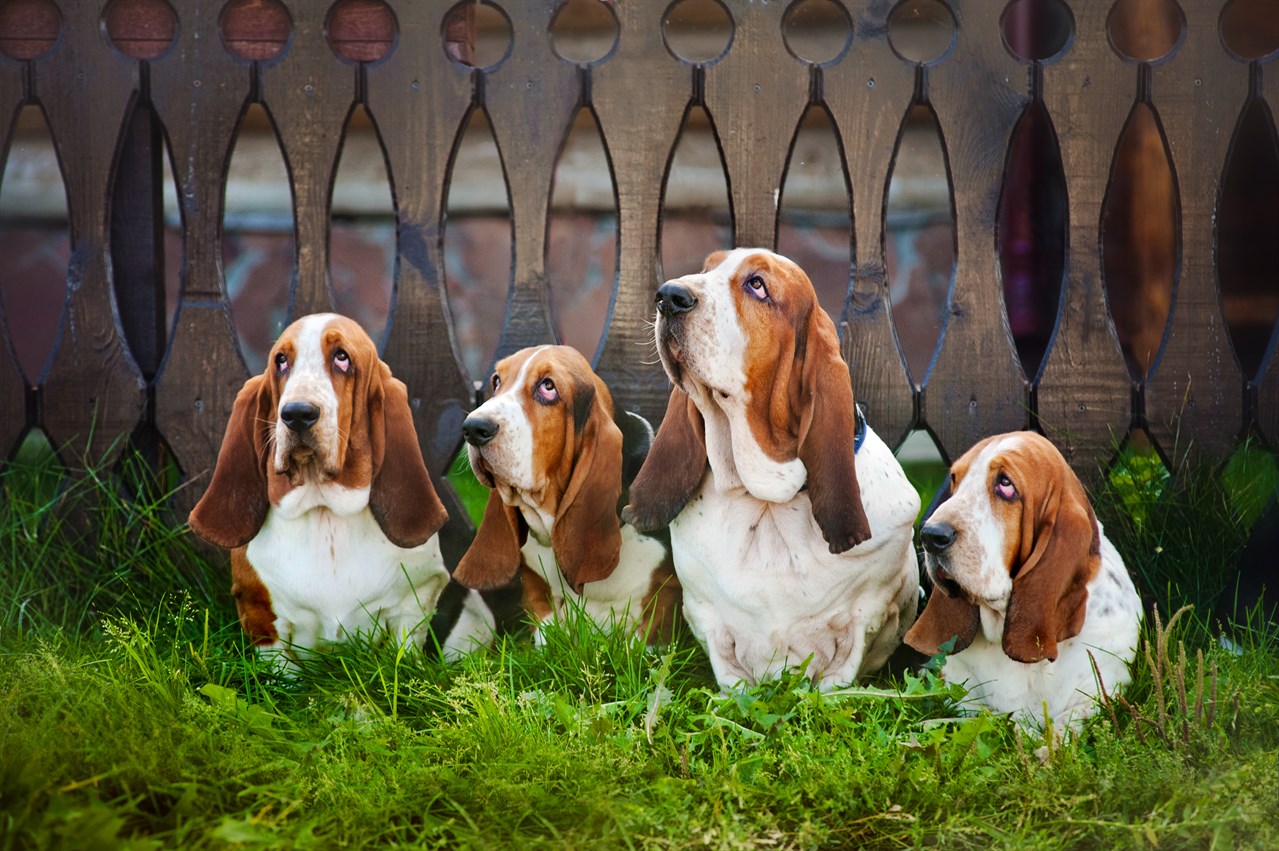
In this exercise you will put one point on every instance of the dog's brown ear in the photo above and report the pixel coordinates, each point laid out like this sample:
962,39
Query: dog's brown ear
494,557
235,504
403,500
1050,588
673,469
586,535
944,618
827,426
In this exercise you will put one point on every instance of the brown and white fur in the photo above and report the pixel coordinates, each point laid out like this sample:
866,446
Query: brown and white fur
555,453
1027,585
780,557
321,494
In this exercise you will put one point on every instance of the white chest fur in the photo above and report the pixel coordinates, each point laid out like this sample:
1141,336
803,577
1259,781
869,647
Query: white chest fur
1065,689
619,599
331,572
763,592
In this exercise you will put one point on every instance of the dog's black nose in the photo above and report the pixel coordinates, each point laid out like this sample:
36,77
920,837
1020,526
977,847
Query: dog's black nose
300,416
936,537
673,299
478,431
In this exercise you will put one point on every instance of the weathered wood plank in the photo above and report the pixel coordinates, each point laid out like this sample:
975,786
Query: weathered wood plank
13,386
418,99
756,95
975,386
199,90
1085,393
1194,394
309,93
868,94
531,98
92,392
639,134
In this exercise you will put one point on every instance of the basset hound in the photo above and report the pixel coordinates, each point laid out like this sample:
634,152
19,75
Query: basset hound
1027,585
321,494
557,456
759,467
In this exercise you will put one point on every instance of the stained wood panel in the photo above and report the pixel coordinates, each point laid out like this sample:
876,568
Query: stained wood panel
976,387
868,94
199,91
756,95
1084,393
92,391
309,94
531,98
639,135
418,99
1194,395
13,387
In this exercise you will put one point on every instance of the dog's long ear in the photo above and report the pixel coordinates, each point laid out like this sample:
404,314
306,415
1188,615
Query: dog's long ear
586,535
234,506
494,556
402,498
826,429
944,618
1050,588
673,469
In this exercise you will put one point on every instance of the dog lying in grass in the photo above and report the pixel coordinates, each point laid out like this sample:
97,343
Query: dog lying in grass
1026,584
322,496
557,456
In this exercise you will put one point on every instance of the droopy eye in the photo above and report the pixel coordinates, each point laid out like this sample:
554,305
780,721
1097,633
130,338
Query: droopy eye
281,363
342,360
545,391
1004,487
496,381
755,286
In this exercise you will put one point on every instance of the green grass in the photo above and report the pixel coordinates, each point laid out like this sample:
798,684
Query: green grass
133,715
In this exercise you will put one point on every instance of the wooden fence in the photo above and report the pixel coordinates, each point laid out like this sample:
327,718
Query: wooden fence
118,80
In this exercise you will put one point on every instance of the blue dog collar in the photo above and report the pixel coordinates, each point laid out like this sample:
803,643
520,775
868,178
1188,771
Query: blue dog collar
859,428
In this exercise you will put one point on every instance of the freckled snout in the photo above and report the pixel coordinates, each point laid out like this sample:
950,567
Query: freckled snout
479,431
673,298
300,416
937,537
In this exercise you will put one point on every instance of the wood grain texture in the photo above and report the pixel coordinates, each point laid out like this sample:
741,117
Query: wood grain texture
199,90
1085,394
975,386
531,98
309,94
1194,394
639,135
868,94
92,392
755,95
13,386
418,100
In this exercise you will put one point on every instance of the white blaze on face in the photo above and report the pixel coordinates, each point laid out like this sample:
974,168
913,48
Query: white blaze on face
509,455
307,380
714,351
976,560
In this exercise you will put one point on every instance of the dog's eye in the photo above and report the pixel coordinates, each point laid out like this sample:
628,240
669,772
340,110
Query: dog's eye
496,382
545,391
756,287
342,360
1004,487
281,363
